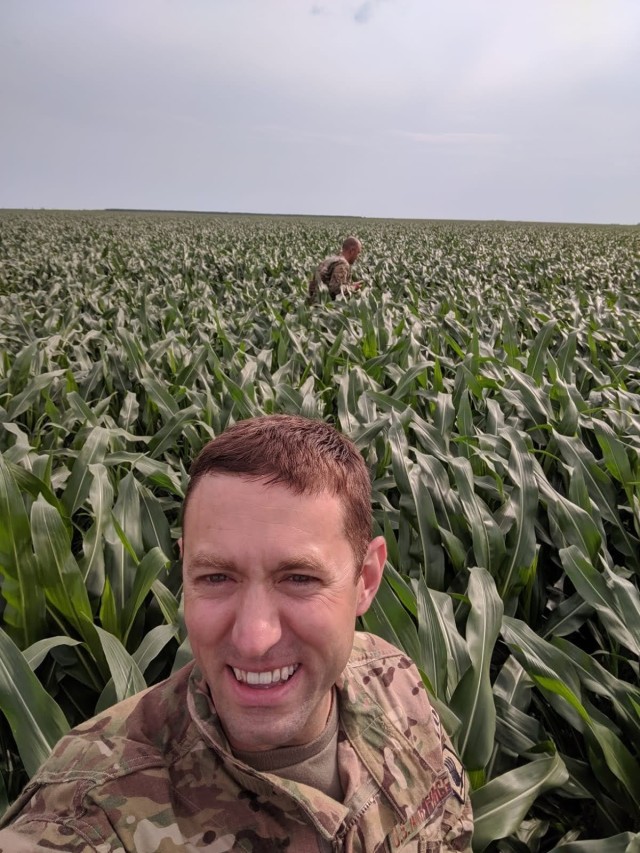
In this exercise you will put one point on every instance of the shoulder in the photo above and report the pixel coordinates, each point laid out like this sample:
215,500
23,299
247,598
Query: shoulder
115,775
131,735
135,740
388,675
340,263
381,675
383,687
333,261
369,650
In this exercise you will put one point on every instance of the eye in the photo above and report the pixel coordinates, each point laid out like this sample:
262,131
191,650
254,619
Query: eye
301,580
216,578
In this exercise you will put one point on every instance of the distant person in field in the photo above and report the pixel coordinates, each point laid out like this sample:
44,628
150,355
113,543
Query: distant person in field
289,731
334,272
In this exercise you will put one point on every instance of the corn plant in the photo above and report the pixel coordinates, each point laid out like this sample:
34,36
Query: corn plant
489,374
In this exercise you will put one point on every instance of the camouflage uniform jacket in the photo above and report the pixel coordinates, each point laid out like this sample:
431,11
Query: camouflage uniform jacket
155,774
335,273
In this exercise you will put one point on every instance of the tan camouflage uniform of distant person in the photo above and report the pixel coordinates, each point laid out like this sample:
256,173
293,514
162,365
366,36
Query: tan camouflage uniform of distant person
289,731
335,272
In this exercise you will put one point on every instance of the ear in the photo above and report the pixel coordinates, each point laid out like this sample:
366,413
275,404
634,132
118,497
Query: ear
371,575
180,548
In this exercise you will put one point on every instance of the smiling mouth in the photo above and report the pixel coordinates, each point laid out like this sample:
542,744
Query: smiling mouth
265,679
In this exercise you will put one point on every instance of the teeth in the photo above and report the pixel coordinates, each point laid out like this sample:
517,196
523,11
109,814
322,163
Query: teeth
264,679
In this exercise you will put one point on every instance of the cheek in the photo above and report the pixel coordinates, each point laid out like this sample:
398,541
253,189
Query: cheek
203,621
326,625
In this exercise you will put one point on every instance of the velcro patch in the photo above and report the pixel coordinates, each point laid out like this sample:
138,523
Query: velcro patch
455,770
440,790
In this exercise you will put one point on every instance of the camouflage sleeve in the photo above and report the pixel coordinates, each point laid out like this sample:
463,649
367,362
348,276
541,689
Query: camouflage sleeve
340,278
37,837
41,823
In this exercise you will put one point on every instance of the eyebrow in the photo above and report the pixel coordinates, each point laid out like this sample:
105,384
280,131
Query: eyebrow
213,563
210,562
301,563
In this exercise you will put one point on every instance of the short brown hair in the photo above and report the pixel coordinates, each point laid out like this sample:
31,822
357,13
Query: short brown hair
351,243
307,456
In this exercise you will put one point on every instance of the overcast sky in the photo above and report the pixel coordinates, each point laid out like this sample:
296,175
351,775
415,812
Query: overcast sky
465,109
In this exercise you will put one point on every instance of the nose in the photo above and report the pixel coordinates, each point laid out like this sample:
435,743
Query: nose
257,627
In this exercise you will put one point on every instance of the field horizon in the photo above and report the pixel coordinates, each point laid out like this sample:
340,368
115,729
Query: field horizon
322,216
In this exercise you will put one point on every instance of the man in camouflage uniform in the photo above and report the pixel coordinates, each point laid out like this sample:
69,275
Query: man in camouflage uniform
289,731
335,272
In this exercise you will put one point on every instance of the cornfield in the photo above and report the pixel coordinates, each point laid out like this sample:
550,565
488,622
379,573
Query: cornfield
489,374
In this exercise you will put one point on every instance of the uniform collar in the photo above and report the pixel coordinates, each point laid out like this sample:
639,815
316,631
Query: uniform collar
325,814
375,733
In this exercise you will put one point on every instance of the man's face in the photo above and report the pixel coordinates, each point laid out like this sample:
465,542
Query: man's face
270,602
353,254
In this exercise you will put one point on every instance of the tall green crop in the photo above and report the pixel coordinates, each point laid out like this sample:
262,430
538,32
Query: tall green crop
489,374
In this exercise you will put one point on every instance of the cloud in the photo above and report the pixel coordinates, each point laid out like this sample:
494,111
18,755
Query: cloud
451,138
363,13
490,109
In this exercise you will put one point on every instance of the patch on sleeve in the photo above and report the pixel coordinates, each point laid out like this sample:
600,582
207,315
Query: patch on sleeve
440,790
454,768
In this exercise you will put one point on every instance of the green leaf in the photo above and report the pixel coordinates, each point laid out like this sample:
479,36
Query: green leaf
36,653
129,411
516,731
101,501
597,590
488,541
523,503
600,489
433,646
500,806
127,678
473,701
161,396
567,618
540,350
146,574
388,618
109,615
152,644
24,611
457,652
418,504
26,399
619,760
166,601
83,412
167,436
574,525
25,363
59,574
625,842
513,684
615,456
79,483
35,718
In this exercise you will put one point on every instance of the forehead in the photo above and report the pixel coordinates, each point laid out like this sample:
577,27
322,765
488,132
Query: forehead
252,523
224,500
